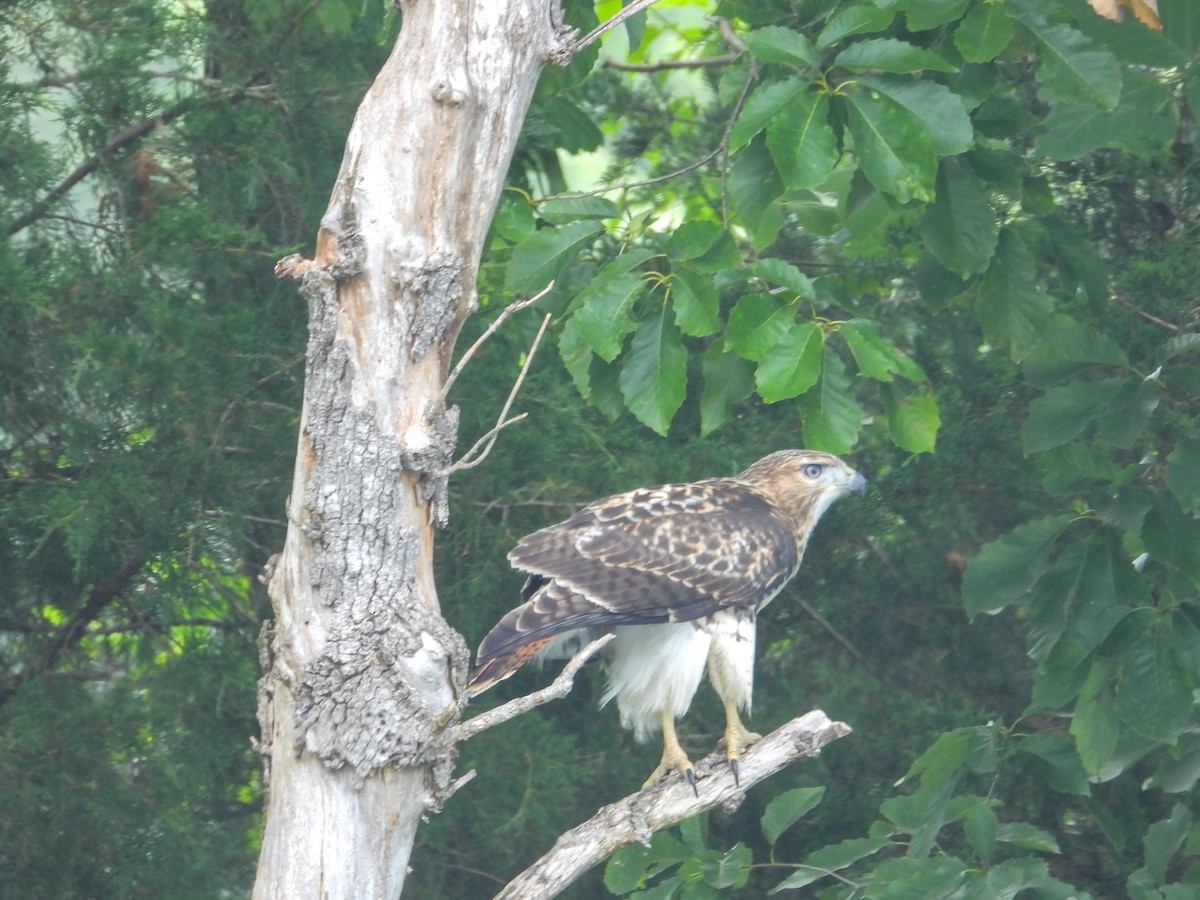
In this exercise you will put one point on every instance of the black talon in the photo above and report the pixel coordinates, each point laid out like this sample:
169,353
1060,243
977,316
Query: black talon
733,767
691,777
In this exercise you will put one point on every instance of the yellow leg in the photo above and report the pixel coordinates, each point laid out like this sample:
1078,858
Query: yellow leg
673,758
737,736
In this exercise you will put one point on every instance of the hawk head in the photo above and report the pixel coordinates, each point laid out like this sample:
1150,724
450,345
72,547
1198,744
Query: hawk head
802,484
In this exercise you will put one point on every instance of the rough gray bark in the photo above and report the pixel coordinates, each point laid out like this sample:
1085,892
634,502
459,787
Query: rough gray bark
359,663
640,815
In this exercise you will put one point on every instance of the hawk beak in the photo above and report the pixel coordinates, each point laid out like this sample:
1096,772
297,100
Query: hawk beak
857,483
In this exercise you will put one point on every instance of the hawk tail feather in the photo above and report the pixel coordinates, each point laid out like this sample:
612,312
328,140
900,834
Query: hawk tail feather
497,668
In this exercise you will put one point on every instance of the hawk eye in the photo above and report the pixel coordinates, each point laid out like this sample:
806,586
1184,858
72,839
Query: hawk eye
813,470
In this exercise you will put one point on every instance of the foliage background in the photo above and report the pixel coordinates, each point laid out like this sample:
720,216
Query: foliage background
952,238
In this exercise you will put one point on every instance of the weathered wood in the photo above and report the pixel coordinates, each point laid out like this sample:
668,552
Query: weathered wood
640,815
359,663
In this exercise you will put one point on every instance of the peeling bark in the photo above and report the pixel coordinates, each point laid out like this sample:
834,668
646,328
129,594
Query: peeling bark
360,664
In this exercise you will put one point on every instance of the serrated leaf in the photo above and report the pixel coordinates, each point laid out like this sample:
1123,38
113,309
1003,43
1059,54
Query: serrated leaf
1094,725
913,422
1068,348
754,184
692,240
984,33
942,112
922,15
757,323
1163,840
784,274
653,377
1123,419
1028,837
980,826
1070,66
832,417
1005,570
1062,413
1144,122
1011,306
792,366
604,318
576,355
894,150
822,863
761,107
732,870
696,304
728,379
802,142
1153,693
1181,343
787,809
860,19
960,227
774,44
537,261
1182,474
876,356
1057,762
561,210
890,55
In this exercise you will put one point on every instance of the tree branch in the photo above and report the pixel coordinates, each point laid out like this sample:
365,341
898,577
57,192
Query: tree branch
632,9
556,690
640,815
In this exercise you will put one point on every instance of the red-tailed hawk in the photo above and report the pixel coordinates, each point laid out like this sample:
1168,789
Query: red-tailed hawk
678,573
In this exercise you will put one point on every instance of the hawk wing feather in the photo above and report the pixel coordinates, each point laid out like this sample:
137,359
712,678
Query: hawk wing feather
669,554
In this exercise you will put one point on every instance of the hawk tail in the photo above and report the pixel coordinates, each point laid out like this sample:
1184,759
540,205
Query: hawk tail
495,669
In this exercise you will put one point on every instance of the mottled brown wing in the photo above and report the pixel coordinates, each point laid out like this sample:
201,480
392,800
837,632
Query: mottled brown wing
679,551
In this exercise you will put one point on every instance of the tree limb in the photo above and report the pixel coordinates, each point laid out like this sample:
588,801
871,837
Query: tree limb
640,815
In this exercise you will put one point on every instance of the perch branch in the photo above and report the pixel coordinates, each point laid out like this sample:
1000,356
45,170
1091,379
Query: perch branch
556,690
632,9
481,448
640,815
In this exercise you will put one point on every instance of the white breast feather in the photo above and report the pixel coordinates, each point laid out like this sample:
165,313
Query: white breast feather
652,668
731,656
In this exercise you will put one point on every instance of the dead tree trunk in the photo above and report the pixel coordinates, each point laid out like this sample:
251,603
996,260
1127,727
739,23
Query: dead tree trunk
359,662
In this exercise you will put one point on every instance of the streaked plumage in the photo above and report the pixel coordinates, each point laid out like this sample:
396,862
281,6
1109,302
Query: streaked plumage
679,573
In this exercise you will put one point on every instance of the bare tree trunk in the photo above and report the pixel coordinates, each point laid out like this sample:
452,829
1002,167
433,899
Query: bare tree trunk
360,663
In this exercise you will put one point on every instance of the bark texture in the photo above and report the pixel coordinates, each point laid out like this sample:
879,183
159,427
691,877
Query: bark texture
359,663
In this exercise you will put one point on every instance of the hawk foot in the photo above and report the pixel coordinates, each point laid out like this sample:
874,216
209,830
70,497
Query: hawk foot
737,738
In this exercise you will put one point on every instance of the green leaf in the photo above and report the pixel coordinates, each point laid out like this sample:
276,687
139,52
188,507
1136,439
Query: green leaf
984,33
786,810
774,44
1013,876
692,240
890,55
633,865
941,111
1063,412
876,356
1144,123
922,15
894,150
761,107
802,142
696,304
1070,66
514,219
832,417
732,870
785,275
754,184
860,19
1057,762
1067,349
1123,419
1182,474
603,318
561,210
757,323
537,261
960,227
577,357
1181,343
913,422
1028,837
1095,726
1163,840
981,826
822,863
1006,569
728,379
792,366
1012,308
1154,694
908,878
653,377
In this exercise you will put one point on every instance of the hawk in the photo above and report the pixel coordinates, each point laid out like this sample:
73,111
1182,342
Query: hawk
678,573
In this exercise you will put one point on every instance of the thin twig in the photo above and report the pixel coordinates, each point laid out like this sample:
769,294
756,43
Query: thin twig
491,329
475,455
557,689
632,9
702,63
